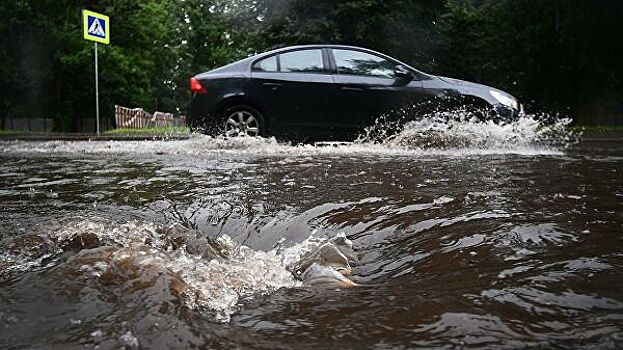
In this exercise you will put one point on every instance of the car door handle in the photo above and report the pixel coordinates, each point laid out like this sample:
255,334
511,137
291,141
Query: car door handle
272,86
351,89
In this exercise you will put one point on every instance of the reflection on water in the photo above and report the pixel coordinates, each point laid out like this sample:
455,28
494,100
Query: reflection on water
508,240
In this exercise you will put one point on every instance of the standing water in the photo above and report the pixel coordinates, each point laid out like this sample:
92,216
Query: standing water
465,235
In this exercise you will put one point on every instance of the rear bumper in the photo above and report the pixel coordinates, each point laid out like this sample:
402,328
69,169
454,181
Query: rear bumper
201,112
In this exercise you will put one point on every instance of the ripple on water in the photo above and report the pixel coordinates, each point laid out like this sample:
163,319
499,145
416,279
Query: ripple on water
535,300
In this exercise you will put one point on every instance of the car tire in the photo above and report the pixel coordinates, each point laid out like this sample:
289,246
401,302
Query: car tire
242,120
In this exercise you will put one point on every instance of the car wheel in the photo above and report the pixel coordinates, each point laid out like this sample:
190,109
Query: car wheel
242,121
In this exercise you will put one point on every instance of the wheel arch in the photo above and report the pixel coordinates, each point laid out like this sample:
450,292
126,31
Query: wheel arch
239,100
247,103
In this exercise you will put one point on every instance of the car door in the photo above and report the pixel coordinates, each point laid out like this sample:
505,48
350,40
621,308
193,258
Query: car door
293,88
366,87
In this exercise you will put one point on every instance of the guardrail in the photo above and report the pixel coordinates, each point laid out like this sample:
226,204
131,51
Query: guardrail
137,118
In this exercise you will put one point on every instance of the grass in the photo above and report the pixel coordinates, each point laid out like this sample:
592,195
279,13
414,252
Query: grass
13,132
151,131
174,130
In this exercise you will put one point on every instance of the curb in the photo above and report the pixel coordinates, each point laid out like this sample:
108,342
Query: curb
93,137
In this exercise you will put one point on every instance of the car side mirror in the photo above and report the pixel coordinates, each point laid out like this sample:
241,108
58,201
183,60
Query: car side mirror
402,72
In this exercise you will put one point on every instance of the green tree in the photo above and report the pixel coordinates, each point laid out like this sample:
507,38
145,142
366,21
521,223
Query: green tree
202,40
49,50
402,28
12,15
561,55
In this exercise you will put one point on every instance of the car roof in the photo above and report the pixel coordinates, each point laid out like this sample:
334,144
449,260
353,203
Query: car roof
314,46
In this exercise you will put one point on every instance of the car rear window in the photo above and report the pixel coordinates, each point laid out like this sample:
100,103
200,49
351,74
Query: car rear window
266,65
361,63
304,61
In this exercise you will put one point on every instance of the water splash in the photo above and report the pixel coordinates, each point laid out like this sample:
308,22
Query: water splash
462,130
208,276
448,134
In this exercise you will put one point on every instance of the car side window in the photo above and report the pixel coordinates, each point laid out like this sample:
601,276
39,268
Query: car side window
361,63
266,65
302,61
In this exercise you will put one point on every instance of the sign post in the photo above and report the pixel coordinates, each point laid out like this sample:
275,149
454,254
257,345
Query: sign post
96,27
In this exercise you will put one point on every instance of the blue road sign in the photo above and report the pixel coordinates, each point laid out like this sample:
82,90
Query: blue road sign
96,26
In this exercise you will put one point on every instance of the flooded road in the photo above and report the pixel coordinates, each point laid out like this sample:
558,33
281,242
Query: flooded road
474,237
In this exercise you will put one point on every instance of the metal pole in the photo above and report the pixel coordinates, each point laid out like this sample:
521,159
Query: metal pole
97,95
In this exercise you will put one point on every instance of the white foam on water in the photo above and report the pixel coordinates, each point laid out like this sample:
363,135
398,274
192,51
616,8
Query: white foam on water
212,286
461,133
426,137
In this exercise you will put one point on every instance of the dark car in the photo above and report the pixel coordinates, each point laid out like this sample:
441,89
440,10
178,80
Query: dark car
327,92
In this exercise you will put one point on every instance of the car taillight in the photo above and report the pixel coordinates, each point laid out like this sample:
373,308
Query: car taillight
196,87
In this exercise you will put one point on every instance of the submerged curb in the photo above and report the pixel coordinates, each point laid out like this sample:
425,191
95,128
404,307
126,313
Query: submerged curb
93,137
607,136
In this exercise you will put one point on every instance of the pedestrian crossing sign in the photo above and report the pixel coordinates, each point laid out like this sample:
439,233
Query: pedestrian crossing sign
96,27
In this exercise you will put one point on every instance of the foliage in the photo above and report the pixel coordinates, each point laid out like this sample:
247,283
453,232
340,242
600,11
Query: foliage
560,55
401,27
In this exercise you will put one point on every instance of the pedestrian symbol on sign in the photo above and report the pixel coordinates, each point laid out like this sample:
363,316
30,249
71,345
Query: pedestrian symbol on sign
96,28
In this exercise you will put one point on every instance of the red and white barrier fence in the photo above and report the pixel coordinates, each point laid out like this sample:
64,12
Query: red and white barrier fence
137,118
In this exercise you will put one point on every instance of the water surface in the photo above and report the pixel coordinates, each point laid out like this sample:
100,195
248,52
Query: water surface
479,236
